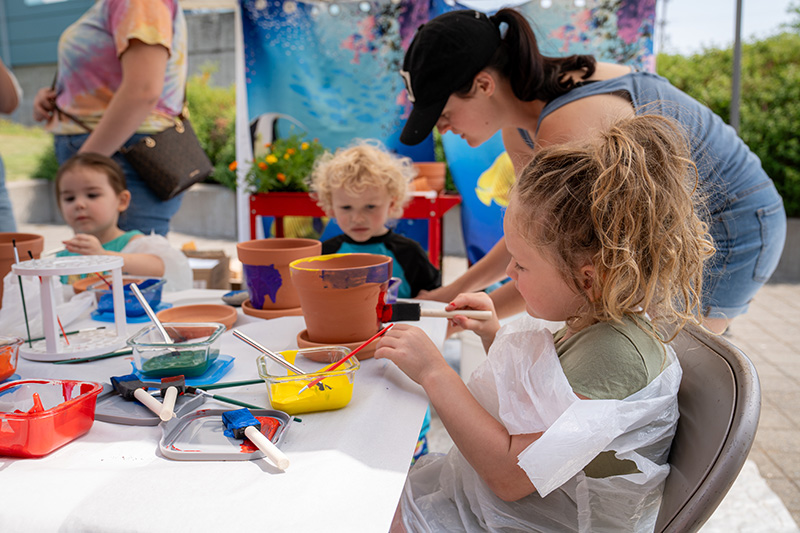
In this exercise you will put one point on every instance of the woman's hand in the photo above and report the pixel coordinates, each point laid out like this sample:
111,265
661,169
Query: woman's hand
440,294
84,244
44,104
412,351
485,329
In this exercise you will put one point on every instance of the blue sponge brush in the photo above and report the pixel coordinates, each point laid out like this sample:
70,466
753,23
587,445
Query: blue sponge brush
240,424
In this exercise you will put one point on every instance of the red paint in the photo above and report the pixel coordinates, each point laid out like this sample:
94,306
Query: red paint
269,426
66,389
37,404
383,310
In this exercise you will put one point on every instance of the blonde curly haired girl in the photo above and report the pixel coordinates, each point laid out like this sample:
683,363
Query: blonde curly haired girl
570,431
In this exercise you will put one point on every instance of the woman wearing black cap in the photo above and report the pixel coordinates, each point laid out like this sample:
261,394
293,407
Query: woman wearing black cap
473,75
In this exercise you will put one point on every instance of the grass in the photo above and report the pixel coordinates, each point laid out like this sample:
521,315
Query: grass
21,148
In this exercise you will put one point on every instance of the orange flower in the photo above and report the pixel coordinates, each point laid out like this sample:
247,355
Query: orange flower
290,151
232,166
262,165
267,145
281,177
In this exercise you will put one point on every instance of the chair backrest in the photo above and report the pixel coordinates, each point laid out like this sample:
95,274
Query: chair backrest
719,402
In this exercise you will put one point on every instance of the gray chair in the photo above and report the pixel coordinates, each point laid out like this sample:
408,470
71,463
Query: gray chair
719,402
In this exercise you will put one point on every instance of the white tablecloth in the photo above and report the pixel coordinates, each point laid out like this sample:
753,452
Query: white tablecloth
347,466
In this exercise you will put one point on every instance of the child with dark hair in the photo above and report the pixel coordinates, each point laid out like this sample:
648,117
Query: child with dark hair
91,194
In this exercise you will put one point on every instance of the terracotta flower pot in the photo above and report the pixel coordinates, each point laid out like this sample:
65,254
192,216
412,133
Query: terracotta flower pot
339,294
25,242
430,176
265,264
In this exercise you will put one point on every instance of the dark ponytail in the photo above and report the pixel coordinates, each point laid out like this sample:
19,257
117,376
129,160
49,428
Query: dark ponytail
533,76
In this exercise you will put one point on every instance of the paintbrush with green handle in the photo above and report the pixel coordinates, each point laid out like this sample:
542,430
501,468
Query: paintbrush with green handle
124,351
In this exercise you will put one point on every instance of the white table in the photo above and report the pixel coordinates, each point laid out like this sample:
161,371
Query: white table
347,466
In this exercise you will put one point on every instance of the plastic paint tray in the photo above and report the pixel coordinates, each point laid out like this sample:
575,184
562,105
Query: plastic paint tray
199,436
67,412
221,366
108,316
113,408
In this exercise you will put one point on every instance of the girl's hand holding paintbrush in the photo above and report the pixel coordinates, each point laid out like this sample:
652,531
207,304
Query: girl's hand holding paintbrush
485,329
410,348
84,244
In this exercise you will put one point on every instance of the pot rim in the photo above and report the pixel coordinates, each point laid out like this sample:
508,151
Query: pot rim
294,265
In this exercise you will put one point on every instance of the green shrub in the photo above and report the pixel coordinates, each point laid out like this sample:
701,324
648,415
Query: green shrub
47,166
212,111
769,115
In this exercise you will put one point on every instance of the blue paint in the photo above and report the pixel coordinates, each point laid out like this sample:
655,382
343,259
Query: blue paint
355,277
262,281
238,419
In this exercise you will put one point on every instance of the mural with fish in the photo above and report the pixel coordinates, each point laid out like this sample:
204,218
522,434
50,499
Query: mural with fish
331,69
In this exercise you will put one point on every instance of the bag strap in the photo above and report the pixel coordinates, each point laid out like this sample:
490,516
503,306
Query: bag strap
83,125
60,111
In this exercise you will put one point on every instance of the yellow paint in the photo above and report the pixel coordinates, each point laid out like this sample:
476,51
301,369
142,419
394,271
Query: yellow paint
318,258
283,392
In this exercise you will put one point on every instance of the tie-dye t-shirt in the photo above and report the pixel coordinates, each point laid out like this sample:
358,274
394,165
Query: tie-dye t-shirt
89,68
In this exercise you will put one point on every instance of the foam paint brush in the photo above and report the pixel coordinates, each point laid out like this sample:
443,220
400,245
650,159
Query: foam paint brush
405,311
170,388
178,385
132,388
241,424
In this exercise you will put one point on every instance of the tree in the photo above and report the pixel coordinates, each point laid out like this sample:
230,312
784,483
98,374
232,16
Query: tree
770,109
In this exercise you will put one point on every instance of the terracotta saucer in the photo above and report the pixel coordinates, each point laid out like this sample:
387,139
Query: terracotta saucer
366,352
81,285
266,314
223,314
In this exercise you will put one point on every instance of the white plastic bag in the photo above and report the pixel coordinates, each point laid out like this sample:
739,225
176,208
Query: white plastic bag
521,383
12,314
177,271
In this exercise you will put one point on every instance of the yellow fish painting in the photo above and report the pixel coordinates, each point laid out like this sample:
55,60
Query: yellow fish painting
496,181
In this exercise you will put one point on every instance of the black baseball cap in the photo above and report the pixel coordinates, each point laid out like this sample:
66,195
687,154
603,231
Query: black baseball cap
446,54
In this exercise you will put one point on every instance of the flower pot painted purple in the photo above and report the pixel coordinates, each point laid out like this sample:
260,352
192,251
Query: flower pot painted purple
265,265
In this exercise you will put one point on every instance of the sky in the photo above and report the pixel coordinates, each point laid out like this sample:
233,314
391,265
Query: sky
692,24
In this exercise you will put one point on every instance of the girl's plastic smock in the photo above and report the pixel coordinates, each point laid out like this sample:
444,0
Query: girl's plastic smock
533,396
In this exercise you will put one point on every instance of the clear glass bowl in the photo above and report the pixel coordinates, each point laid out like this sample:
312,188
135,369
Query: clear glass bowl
283,386
150,288
195,348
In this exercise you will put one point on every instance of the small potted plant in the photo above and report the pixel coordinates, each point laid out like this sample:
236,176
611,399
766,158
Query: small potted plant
284,166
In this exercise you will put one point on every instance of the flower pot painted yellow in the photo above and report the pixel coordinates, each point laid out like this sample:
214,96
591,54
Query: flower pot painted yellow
340,294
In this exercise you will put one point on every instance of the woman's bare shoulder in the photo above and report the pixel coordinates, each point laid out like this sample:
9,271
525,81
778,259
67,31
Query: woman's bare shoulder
581,118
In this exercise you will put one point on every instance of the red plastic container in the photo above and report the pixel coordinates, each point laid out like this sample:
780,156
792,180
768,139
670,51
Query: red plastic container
38,416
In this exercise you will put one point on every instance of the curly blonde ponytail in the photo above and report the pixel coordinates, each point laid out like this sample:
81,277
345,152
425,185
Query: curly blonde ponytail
628,202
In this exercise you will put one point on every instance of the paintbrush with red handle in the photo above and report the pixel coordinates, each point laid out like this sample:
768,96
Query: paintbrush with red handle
340,362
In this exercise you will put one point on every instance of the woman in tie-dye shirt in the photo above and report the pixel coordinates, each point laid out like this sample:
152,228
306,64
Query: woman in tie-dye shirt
121,71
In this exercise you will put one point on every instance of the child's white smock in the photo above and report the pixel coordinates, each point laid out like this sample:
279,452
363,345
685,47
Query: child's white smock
177,271
522,385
